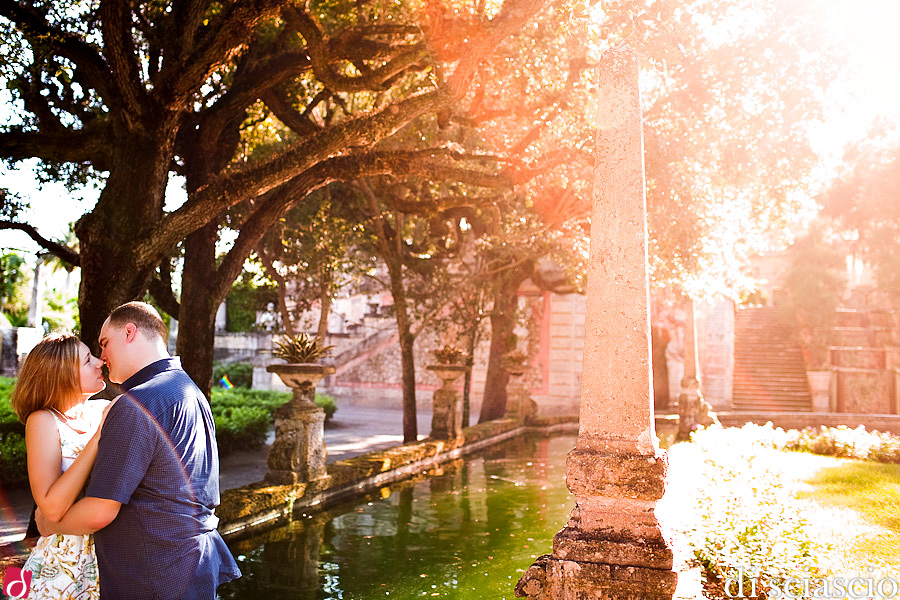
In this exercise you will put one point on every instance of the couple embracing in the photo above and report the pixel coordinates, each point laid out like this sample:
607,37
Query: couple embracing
144,527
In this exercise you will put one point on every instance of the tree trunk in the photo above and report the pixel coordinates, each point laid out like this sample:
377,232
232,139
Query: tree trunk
407,341
325,299
129,206
391,250
471,342
407,356
197,317
503,324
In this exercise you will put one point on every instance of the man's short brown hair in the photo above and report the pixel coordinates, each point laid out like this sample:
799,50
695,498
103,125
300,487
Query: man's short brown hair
144,317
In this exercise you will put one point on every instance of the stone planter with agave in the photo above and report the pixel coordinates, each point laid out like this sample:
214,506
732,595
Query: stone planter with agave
302,372
298,453
446,419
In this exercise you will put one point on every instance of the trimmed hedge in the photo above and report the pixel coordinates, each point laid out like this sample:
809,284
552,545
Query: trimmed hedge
243,416
239,374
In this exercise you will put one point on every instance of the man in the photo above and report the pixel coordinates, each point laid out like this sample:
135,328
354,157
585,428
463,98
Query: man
155,482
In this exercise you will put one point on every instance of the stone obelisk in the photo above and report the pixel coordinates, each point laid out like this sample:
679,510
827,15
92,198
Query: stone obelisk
612,547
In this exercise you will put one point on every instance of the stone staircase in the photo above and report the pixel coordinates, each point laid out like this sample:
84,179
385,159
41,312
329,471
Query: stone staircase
769,370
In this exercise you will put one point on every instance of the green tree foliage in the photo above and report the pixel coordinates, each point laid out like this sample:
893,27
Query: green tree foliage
814,283
313,252
865,201
728,107
14,280
246,298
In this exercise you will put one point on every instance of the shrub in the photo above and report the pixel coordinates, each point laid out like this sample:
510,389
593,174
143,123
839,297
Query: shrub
12,439
750,525
327,404
844,442
13,470
239,374
243,416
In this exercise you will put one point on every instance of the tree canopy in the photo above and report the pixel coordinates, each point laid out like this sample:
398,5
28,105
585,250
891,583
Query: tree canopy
489,106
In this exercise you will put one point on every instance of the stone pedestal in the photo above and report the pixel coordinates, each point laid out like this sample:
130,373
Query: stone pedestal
519,404
446,417
820,389
693,410
612,546
298,453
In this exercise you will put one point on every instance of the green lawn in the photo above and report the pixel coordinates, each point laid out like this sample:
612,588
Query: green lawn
873,490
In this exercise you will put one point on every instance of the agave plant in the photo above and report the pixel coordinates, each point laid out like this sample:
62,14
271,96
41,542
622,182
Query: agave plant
300,348
449,355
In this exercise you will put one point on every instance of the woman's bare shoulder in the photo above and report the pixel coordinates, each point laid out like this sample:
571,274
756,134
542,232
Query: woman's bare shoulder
40,420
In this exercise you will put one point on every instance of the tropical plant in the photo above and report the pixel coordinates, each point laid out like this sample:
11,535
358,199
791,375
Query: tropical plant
449,355
300,348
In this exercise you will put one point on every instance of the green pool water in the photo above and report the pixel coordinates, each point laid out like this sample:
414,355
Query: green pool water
466,531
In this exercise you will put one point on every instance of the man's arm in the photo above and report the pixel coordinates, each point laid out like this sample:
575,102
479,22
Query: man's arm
86,516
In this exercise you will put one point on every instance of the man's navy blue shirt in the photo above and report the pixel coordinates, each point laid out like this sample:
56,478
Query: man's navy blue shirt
158,457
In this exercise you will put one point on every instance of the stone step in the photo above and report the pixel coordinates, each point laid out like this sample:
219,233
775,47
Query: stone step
755,372
775,383
780,396
772,407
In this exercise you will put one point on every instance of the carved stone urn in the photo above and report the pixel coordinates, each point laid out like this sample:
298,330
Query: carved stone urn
298,453
446,419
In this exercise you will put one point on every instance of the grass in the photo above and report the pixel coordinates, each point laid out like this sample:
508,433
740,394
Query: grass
872,490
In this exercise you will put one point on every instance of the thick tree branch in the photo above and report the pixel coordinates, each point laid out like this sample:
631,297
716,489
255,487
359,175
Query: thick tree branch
220,40
187,18
64,253
250,182
321,57
118,47
300,124
78,146
164,296
343,168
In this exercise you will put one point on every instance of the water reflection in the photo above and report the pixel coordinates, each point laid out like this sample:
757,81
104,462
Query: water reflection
464,532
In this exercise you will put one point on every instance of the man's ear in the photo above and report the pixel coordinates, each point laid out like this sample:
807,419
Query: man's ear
130,331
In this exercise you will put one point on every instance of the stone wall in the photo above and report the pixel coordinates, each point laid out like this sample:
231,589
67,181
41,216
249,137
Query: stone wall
561,355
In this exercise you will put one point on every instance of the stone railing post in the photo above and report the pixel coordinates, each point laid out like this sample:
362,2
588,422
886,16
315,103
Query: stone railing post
612,546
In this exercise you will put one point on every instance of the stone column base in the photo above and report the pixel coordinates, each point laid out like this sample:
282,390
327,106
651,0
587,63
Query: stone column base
555,579
298,453
612,547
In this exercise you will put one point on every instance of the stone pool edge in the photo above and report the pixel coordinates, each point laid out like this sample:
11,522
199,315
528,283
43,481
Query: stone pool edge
258,506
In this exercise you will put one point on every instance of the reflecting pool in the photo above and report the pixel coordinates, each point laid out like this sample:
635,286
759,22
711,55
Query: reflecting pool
466,531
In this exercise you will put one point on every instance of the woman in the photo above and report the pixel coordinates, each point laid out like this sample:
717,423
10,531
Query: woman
61,435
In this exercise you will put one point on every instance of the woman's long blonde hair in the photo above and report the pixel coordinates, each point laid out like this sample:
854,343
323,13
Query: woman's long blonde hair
50,377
